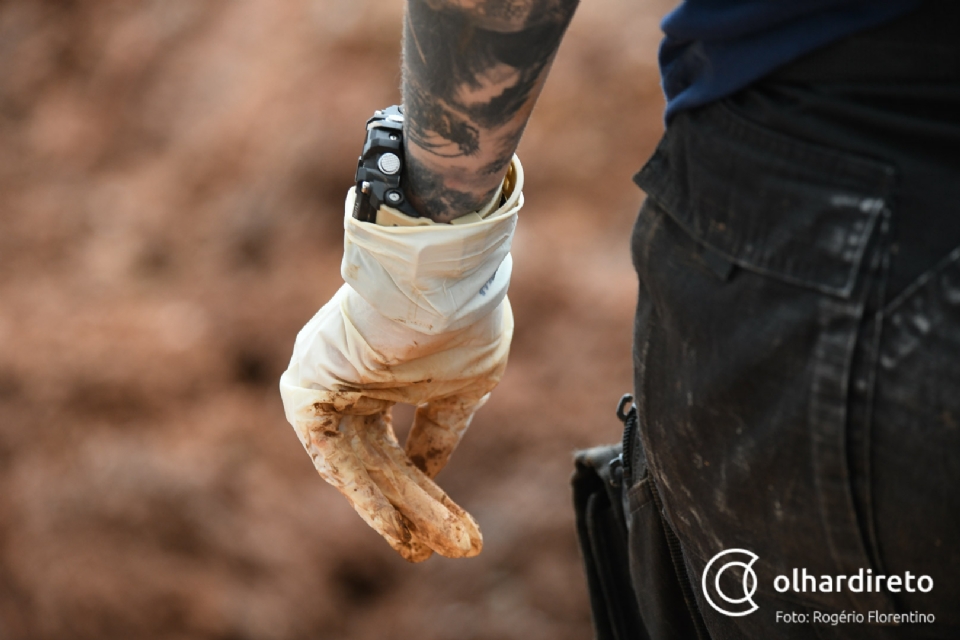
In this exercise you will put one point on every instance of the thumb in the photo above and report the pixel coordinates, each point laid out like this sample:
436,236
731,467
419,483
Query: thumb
437,429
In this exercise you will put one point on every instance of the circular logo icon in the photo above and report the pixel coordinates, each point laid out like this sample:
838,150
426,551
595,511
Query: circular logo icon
740,605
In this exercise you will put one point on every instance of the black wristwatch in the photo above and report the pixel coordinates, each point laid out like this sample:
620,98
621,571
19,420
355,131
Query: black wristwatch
380,167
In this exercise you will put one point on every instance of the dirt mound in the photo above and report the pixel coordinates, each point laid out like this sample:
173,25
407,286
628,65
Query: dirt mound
171,180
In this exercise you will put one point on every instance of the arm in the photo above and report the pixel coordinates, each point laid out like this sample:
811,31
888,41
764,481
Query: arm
472,71
423,316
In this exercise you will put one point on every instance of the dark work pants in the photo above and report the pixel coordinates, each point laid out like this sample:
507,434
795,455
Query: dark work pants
797,344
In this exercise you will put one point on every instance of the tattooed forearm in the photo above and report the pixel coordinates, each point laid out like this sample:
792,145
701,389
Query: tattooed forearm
472,72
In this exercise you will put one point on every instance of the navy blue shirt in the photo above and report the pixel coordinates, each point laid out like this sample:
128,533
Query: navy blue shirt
712,48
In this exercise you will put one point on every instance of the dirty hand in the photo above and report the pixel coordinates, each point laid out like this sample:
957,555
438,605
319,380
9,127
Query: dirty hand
422,319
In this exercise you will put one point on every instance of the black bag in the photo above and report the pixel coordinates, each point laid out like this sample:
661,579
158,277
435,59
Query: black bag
638,585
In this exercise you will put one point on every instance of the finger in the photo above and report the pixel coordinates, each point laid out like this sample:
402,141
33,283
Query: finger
432,521
336,462
438,427
400,460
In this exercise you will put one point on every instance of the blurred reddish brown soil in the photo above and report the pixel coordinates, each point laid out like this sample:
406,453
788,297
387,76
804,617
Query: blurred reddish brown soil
171,182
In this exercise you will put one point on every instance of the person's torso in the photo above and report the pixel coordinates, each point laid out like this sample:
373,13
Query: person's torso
712,48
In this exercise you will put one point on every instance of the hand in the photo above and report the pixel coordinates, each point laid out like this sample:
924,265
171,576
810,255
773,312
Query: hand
423,319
